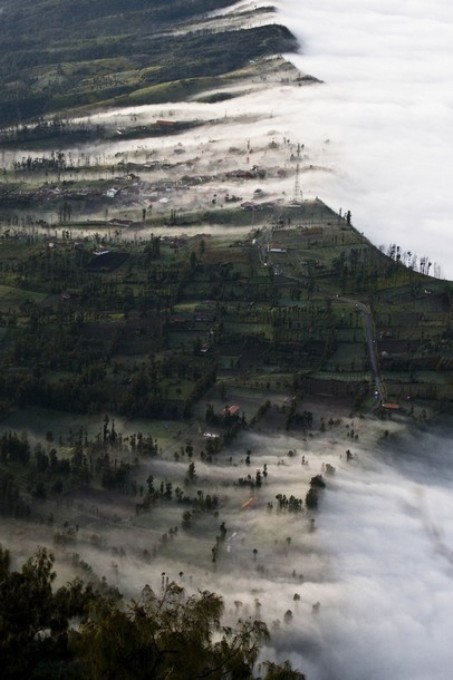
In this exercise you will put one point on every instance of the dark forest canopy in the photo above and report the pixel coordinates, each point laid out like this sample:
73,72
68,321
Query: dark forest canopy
55,18
59,55
48,632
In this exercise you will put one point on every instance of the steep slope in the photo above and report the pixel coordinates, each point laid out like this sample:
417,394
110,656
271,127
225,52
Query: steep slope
60,55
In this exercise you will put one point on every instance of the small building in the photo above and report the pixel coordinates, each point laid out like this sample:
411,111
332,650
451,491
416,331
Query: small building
106,261
115,222
231,411
165,123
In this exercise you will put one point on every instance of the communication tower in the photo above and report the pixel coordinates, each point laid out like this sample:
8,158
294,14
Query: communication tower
297,189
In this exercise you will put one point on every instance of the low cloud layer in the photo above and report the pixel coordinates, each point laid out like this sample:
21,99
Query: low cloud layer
378,560
391,534
386,107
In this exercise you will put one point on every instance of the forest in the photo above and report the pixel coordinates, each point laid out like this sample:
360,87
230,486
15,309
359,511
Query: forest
161,635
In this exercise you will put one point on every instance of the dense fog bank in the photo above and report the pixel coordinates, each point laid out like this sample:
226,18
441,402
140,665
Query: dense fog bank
386,108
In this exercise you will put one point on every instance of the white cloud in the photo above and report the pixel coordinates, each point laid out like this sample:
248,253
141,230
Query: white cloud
387,107
380,561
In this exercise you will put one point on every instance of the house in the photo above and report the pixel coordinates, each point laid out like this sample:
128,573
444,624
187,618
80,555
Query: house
231,411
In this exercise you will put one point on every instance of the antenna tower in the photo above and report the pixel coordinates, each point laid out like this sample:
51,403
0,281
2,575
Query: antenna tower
297,191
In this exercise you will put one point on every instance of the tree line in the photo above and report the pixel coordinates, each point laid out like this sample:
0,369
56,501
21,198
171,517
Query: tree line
81,632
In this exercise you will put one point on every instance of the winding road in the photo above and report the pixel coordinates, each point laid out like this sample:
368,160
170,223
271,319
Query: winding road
263,245
370,334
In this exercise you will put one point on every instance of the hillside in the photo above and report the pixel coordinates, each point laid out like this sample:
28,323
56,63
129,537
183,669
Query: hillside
192,345
59,55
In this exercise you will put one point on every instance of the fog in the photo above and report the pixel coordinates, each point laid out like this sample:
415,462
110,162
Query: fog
386,106
390,531
377,132
367,577
379,557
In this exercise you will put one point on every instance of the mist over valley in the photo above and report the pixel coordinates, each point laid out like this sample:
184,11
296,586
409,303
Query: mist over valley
211,374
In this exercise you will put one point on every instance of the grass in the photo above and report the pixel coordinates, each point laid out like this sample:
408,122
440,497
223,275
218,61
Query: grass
348,352
351,376
176,90
39,421
177,389
121,57
12,298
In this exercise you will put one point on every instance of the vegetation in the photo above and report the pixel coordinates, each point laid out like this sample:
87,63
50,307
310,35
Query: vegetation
111,312
59,55
147,328
82,633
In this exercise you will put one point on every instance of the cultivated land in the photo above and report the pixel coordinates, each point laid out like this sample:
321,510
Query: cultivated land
162,263
134,286
184,337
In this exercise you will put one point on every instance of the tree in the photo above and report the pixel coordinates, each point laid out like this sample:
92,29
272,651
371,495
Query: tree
281,672
191,474
35,619
311,498
169,635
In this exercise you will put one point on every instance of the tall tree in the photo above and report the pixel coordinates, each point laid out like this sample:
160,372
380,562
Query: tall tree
166,636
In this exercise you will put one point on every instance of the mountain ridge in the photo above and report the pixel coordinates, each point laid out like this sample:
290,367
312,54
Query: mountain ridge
61,58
